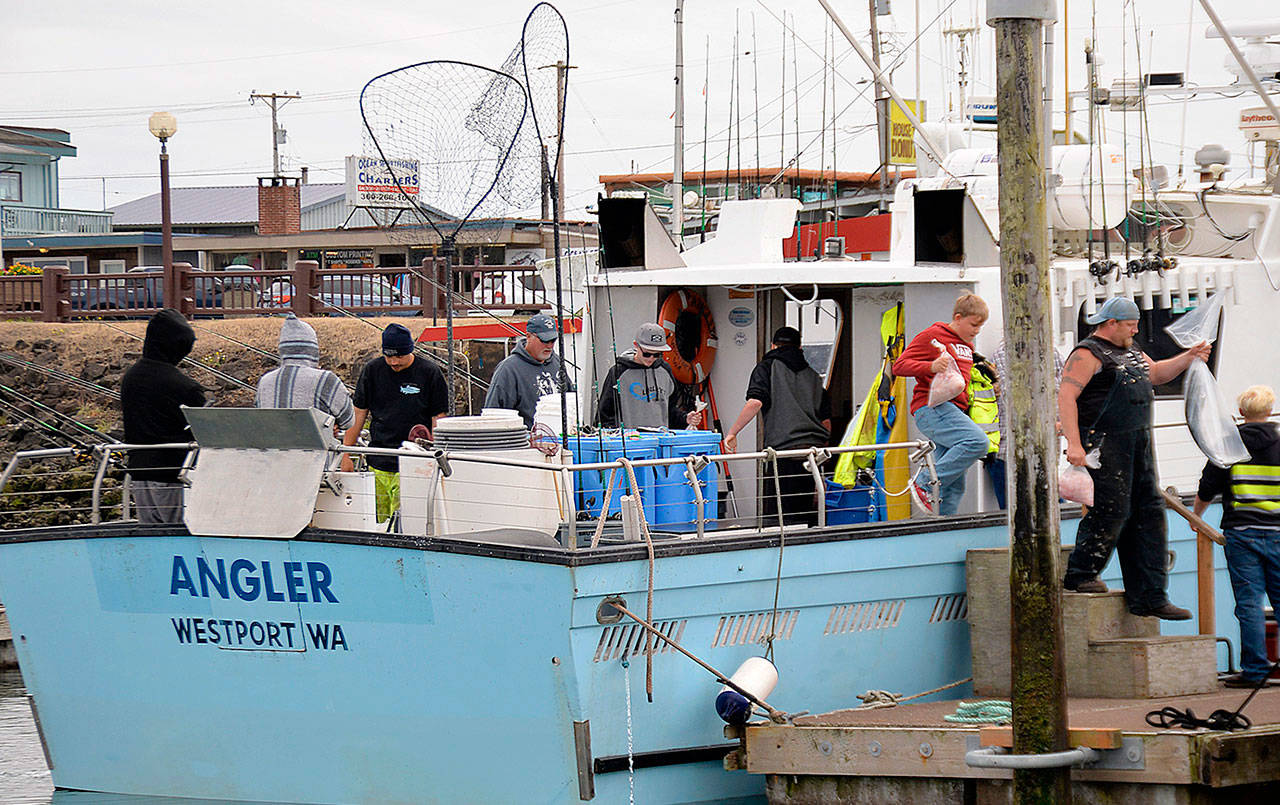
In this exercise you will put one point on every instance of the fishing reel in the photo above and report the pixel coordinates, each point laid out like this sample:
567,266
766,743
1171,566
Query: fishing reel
1101,270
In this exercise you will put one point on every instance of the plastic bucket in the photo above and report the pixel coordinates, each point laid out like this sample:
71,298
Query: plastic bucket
676,506
847,505
611,446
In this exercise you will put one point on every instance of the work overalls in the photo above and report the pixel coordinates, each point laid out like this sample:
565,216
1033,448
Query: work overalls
1128,512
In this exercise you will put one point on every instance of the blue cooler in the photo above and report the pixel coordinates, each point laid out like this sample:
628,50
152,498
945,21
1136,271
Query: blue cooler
677,507
854,504
609,446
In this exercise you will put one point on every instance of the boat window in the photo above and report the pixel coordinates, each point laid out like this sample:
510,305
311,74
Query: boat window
939,218
819,324
1156,343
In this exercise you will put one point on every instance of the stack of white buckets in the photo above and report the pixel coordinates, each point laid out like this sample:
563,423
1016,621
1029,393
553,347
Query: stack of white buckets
475,496
548,412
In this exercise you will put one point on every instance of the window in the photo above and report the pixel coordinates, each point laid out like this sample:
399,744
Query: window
78,265
819,323
1156,343
10,186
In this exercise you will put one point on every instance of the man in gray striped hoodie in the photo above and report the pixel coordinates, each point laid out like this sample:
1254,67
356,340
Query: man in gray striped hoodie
300,382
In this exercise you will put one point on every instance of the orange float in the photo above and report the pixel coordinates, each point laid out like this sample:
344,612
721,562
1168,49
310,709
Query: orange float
691,334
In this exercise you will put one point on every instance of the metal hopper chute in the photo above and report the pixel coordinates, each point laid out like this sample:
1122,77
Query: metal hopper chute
257,472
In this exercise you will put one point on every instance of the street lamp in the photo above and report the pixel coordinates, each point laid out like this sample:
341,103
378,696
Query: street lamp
164,125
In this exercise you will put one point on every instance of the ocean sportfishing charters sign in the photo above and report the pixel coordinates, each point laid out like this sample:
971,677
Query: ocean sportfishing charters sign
371,184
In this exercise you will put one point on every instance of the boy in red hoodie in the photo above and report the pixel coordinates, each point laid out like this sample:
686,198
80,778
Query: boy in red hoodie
958,439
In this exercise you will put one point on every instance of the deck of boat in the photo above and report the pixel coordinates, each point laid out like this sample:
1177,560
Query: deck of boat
910,750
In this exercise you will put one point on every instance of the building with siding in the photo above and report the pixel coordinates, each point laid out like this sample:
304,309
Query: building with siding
29,161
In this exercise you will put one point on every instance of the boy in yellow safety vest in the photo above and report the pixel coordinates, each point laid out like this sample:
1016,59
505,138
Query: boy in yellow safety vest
1251,523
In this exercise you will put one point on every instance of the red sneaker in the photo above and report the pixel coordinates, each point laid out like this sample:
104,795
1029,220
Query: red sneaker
921,500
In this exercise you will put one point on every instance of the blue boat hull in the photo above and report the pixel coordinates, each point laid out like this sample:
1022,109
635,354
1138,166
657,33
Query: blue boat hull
345,668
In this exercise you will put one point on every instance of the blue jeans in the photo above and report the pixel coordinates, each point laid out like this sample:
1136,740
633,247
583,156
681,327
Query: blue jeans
1253,560
959,442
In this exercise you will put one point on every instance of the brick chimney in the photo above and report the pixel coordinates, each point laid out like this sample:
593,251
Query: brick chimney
279,206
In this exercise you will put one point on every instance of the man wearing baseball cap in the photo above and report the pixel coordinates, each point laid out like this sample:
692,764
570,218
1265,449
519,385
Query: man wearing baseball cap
530,371
1105,402
639,391
399,391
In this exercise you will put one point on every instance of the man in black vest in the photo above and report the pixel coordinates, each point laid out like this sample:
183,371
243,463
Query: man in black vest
1105,401
797,414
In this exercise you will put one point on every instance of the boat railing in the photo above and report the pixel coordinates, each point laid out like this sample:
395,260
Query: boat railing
75,485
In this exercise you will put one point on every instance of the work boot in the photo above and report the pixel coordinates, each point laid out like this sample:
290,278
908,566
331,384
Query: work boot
1165,612
1090,586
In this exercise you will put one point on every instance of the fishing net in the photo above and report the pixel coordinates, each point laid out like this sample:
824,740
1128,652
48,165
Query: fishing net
444,132
537,60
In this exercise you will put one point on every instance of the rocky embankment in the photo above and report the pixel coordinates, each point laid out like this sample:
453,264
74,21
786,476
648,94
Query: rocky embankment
73,368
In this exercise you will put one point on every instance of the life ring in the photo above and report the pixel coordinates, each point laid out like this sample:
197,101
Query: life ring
691,334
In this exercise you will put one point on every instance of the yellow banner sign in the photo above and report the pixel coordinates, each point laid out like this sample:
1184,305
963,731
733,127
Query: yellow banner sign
902,143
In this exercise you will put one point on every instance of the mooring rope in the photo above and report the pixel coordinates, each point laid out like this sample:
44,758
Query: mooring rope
782,544
875,699
989,711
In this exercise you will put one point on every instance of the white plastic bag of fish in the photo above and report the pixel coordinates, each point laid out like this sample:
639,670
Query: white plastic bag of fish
1209,418
1075,483
1208,413
948,383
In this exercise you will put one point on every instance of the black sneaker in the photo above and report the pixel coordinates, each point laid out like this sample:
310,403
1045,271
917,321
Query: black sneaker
1165,612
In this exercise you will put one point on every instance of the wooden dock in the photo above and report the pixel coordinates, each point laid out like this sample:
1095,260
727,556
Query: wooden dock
909,753
8,657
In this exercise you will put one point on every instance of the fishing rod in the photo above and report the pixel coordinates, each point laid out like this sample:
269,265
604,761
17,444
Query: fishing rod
60,375
515,331
70,419
35,420
263,352
188,360
418,347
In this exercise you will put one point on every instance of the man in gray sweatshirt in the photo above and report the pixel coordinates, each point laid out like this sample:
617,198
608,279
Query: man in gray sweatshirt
530,371
300,382
640,390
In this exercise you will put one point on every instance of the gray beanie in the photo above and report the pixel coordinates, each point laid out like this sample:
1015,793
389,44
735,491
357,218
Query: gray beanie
298,342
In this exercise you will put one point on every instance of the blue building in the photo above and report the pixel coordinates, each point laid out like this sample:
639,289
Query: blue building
29,160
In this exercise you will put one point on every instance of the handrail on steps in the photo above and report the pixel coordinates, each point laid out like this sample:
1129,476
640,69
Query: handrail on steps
1205,536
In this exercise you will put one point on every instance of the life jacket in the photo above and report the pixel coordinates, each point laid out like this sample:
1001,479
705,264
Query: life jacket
982,406
878,403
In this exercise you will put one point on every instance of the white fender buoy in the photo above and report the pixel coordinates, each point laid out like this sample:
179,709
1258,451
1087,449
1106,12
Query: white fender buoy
758,677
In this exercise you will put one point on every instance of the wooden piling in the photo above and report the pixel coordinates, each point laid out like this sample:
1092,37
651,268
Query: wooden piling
1039,690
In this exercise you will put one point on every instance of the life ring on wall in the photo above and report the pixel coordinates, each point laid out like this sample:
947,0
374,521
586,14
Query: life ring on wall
691,334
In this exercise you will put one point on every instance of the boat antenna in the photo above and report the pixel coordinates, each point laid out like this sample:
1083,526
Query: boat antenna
755,93
822,145
733,92
795,102
782,117
737,94
706,112
835,183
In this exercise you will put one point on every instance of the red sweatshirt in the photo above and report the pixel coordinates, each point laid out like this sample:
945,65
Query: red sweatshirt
915,361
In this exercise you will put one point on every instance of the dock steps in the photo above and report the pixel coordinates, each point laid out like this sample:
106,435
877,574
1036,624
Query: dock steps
1108,652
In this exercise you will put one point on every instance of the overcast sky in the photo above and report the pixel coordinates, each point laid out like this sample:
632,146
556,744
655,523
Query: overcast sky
99,69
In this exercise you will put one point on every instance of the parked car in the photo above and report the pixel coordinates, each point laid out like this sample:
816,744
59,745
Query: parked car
351,293
495,289
207,290
139,287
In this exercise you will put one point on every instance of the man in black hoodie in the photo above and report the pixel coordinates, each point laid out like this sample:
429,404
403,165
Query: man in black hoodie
1251,523
797,414
151,395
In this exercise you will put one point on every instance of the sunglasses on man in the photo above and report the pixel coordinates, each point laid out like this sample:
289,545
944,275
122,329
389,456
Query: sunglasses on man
644,353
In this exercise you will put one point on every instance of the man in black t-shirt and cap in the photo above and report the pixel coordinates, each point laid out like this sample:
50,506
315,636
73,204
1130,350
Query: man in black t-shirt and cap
797,414
400,392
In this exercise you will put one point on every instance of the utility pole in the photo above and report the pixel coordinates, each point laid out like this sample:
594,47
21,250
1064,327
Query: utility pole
1039,688
882,107
562,76
677,167
277,134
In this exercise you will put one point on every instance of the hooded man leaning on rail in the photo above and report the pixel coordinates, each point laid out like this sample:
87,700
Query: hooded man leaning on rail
151,395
